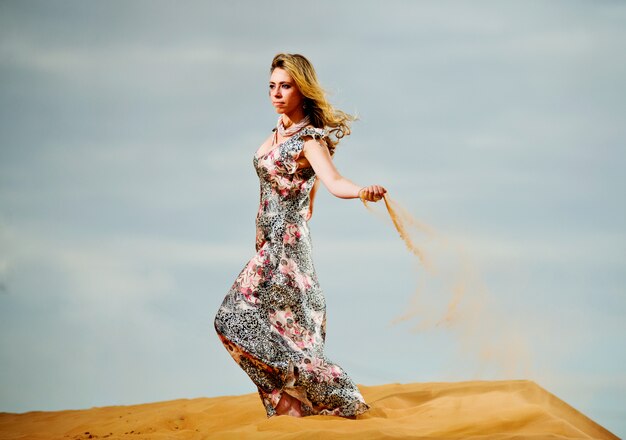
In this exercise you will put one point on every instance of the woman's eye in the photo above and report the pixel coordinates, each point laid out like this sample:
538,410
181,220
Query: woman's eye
286,86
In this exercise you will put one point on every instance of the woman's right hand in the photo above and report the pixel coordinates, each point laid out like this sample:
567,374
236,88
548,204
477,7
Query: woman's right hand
372,193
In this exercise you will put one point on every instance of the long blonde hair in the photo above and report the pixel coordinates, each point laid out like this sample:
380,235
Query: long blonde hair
320,112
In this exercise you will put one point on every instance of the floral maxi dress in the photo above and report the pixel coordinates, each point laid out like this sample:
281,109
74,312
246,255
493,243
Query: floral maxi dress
273,319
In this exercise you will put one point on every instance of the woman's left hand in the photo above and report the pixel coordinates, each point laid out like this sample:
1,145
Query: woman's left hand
309,213
372,193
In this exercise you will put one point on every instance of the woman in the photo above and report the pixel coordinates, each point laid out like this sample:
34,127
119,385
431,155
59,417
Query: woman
273,319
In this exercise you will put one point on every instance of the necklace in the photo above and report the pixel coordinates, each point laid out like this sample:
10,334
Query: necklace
293,128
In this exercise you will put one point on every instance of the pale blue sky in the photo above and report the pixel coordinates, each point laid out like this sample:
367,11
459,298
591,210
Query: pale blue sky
128,196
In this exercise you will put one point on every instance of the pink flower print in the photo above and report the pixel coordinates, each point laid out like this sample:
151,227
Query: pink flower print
306,341
325,375
290,268
271,170
334,371
283,185
285,323
249,280
251,276
279,327
303,281
323,371
292,233
312,365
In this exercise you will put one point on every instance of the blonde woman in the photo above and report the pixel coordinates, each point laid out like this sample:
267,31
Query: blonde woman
273,319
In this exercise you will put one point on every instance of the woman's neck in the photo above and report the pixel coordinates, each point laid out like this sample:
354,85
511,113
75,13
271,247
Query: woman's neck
293,117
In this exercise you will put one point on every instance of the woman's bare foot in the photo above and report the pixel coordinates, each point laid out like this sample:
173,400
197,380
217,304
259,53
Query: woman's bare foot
289,405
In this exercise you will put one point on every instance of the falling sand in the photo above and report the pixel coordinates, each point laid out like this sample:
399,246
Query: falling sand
450,295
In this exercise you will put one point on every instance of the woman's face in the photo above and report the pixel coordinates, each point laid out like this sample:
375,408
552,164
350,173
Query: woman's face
284,93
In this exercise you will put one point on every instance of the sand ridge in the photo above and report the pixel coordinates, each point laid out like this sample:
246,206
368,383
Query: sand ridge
506,409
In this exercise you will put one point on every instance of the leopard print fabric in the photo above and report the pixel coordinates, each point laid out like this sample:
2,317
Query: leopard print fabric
273,319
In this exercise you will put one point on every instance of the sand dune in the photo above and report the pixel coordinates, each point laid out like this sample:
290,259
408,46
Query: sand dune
514,409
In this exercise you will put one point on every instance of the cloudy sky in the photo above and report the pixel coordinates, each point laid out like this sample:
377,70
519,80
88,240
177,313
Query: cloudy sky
128,196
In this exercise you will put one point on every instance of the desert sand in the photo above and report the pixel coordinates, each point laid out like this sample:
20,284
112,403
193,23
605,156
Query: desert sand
508,409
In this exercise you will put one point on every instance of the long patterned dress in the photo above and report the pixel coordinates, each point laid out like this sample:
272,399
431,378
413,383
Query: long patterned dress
273,319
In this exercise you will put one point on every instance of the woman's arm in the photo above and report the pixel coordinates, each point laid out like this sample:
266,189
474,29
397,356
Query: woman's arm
321,161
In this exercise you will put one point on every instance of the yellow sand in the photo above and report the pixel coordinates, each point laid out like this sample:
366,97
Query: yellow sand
510,409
